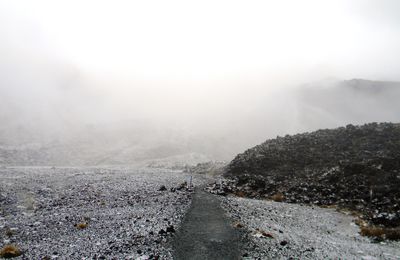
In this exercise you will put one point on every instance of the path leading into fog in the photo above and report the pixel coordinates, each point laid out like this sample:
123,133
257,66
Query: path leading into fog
206,232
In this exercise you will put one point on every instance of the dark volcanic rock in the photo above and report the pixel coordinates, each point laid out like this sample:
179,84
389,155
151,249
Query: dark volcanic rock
162,188
170,229
356,167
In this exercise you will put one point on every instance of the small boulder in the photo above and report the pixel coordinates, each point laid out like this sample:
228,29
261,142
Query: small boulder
283,243
170,229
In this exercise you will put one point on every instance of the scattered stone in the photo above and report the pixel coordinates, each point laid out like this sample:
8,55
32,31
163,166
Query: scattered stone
303,229
182,186
170,229
162,188
65,197
9,232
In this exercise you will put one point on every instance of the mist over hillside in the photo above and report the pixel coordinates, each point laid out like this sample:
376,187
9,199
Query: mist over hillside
127,127
357,101
71,126
149,83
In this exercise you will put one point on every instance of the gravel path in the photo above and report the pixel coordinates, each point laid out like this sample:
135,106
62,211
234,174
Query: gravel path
206,232
128,216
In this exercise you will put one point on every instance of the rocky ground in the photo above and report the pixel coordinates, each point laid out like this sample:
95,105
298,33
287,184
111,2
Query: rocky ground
353,167
289,231
91,213
135,213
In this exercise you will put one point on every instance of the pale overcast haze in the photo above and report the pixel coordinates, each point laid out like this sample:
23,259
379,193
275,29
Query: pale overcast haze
227,74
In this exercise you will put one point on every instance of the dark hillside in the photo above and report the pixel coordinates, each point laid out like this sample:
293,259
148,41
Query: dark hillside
356,167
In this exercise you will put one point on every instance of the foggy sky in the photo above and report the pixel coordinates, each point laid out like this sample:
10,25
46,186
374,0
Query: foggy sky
223,69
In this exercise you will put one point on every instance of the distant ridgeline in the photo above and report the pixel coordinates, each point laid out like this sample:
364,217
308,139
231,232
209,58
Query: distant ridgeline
354,167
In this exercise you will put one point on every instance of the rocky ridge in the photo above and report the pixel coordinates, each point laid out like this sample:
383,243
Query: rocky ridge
352,167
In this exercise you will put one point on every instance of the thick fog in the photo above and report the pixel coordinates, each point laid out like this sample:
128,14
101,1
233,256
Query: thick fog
97,82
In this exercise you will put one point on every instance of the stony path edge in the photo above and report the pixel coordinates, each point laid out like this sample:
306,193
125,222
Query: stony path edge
206,232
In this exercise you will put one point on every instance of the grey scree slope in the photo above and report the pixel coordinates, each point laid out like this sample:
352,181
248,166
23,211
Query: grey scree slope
206,232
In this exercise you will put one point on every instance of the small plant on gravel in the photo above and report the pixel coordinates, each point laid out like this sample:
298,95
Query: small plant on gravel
82,225
9,251
278,197
238,225
379,232
360,222
240,194
262,233
392,234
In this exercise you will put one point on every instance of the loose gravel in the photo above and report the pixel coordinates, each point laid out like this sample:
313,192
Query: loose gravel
289,231
91,213
124,213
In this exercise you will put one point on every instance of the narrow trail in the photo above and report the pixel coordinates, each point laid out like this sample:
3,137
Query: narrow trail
206,232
